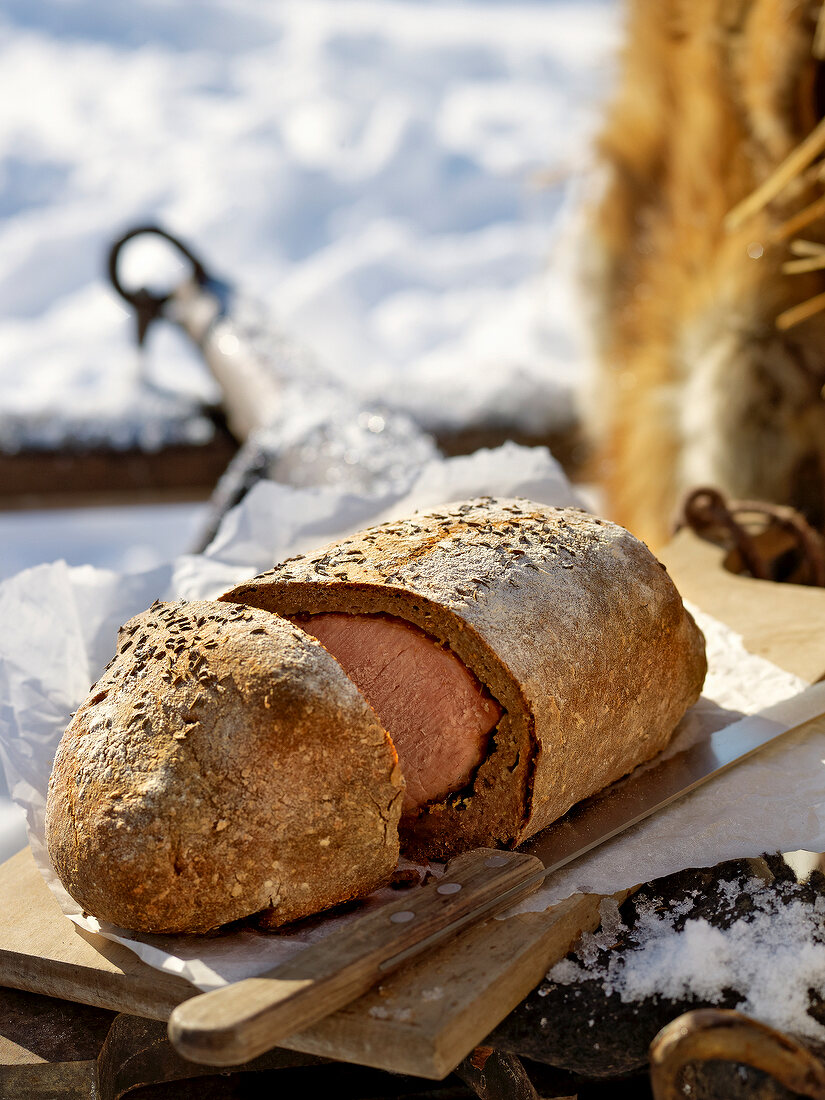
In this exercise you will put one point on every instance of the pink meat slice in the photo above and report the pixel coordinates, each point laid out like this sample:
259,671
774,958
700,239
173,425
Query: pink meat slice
438,714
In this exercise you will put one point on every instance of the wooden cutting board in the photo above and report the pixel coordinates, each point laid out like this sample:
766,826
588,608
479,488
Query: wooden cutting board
781,622
424,1019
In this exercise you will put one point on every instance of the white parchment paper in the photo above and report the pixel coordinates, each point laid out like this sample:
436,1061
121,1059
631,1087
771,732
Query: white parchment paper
59,628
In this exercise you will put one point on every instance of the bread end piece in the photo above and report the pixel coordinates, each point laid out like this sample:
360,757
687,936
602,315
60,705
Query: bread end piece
223,765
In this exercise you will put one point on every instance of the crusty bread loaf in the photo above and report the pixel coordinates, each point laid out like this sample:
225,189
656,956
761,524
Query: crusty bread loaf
570,623
222,765
225,764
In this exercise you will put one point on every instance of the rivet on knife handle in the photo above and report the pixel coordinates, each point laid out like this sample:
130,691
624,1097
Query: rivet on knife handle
240,1021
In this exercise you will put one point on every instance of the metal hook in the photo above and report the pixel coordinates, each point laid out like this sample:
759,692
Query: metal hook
148,306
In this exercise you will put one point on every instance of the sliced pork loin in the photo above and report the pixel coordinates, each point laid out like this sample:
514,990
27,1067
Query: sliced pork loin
521,657
438,714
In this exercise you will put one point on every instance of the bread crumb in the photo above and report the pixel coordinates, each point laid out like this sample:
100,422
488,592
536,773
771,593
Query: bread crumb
404,877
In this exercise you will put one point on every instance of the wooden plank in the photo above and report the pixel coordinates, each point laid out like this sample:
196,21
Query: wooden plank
49,1048
42,951
421,1021
445,1004
247,1018
50,1081
776,621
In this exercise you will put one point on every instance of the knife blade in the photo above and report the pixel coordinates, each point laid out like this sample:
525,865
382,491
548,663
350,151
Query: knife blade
240,1021
651,787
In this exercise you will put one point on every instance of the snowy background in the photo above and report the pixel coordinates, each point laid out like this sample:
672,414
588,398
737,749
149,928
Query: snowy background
394,179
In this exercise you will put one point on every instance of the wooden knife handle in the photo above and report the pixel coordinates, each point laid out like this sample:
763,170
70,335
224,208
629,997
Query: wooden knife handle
238,1022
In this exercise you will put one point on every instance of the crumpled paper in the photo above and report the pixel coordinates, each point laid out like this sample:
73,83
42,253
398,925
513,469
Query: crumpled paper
63,623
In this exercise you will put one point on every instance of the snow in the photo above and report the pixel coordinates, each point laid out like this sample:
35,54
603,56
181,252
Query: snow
370,169
127,540
773,957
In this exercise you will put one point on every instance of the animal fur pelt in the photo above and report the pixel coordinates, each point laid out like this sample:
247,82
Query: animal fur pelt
696,383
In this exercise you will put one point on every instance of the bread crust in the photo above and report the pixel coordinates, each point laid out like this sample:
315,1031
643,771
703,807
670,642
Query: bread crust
570,622
222,765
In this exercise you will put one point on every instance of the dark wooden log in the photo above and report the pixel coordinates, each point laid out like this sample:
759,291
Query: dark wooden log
58,1050
103,475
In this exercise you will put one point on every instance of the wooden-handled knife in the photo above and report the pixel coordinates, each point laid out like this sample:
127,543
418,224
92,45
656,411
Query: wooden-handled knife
238,1022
